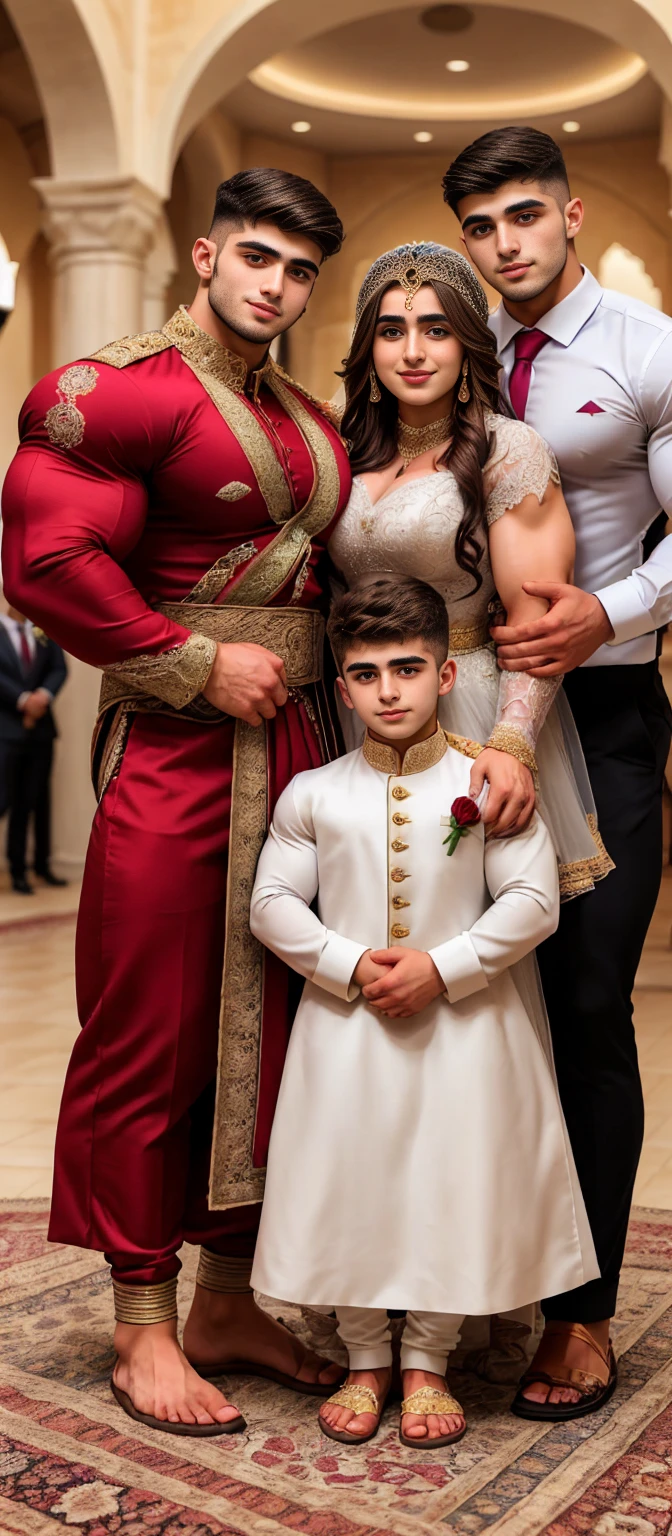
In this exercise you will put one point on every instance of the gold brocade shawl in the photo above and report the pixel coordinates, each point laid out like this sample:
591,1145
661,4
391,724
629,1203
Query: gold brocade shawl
233,1178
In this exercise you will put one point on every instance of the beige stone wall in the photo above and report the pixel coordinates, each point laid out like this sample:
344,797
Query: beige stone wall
129,91
19,225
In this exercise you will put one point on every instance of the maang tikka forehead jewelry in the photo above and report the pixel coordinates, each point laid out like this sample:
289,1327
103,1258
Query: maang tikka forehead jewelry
421,262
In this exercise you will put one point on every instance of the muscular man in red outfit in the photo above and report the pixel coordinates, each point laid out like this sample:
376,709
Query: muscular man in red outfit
165,520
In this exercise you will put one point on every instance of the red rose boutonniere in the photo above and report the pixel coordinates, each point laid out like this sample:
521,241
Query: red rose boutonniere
464,813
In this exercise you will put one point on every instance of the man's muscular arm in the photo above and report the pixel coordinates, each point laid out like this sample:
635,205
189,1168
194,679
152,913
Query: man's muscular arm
72,514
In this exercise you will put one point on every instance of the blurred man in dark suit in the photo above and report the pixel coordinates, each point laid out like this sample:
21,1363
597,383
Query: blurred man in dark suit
32,669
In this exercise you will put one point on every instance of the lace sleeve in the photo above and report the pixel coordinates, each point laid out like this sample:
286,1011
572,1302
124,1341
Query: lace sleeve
522,707
521,464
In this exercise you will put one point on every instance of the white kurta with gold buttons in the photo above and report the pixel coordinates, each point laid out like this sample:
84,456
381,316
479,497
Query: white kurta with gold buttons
415,1163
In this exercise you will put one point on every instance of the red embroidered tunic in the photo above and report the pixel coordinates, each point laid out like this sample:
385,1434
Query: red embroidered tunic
137,475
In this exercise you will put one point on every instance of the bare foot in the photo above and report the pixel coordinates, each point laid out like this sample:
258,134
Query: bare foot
429,1426
153,1371
575,1354
359,1423
223,1327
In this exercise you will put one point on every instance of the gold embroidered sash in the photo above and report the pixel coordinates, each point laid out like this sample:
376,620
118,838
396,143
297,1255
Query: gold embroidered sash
297,636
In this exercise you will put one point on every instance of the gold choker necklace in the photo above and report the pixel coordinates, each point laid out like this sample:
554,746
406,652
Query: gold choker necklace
412,441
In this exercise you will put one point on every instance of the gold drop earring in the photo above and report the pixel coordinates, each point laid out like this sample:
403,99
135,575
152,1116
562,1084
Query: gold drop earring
463,392
374,391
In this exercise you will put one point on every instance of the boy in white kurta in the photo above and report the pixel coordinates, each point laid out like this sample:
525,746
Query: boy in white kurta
419,1158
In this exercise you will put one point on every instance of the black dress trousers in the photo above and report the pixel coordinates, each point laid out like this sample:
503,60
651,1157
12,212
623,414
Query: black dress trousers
588,967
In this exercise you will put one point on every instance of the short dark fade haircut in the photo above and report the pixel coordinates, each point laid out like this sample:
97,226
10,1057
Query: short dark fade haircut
505,154
389,610
265,196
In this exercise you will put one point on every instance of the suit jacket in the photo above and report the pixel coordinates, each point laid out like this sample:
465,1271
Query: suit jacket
48,670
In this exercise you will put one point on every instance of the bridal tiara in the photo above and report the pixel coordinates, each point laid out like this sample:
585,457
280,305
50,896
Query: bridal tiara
414,264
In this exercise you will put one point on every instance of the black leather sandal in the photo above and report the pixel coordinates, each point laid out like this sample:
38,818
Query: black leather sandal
594,1390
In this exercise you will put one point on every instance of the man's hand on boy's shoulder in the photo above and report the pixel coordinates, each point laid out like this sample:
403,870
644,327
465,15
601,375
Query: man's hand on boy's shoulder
511,797
411,981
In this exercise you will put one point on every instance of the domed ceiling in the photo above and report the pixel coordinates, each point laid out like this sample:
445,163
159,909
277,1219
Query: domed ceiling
446,72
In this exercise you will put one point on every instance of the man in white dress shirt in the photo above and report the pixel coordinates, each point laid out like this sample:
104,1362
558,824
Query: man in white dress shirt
591,370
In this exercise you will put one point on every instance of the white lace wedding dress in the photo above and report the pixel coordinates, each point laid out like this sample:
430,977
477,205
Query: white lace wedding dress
412,529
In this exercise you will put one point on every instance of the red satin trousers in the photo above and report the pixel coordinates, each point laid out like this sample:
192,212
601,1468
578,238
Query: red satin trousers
133,1143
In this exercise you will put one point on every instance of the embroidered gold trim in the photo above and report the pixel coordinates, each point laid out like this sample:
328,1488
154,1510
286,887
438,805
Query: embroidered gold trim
583,874
144,1304
115,747
468,637
463,744
333,413
64,422
204,351
234,491
295,634
233,1178
227,1275
273,568
175,676
132,349
302,577
417,759
201,354
212,584
506,738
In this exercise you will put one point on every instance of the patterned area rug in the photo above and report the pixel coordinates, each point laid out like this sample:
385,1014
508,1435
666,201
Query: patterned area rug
70,1458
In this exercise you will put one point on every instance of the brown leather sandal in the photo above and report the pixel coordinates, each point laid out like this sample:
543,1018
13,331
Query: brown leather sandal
194,1431
595,1390
272,1373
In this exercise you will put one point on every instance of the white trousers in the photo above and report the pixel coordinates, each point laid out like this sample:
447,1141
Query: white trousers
426,1343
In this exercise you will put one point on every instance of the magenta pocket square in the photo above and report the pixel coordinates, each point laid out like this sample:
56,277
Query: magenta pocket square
590,409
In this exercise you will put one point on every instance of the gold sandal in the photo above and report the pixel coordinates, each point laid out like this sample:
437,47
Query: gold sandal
593,1390
431,1400
359,1399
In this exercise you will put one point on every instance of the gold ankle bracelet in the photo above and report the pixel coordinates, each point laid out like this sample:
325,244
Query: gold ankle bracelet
143,1304
219,1272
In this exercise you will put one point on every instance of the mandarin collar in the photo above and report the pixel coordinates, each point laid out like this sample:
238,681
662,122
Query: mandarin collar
423,755
561,323
211,356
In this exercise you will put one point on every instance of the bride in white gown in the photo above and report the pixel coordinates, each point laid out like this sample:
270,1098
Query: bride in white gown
447,489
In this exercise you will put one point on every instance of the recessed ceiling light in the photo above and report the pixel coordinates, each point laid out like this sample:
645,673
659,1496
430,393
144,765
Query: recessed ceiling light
458,66
301,127
571,127
423,137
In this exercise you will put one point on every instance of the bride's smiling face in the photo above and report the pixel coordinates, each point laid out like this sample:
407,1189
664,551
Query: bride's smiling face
415,354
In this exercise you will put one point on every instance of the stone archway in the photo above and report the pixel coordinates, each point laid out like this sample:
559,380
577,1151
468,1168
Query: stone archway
83,112
244,38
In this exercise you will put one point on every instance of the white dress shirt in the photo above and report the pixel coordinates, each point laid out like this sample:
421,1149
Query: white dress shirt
615,353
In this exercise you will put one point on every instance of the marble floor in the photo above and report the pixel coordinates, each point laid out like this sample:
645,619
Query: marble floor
38,1024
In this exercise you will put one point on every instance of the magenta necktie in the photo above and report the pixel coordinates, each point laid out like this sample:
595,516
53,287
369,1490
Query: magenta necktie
528,344
26,654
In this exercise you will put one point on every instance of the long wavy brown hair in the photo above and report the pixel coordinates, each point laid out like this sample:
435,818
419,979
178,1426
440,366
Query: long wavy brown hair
371,429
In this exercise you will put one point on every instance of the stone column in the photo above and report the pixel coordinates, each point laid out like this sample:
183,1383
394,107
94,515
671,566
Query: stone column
99,232
160,268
